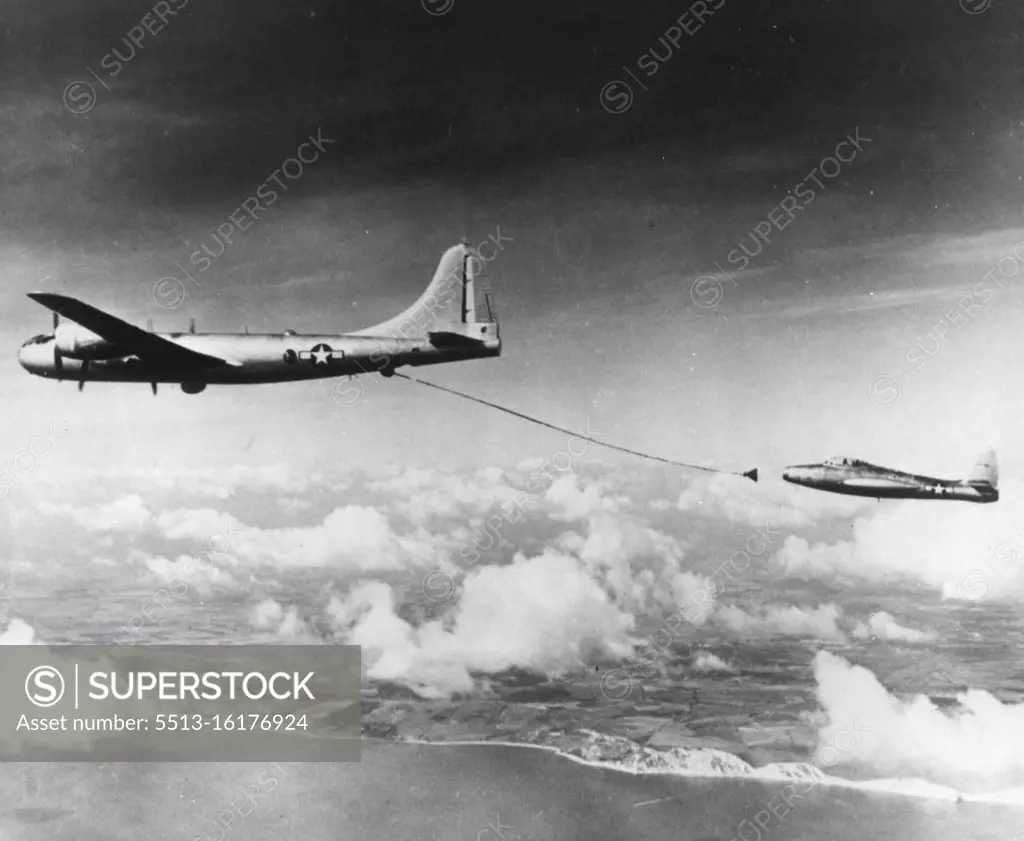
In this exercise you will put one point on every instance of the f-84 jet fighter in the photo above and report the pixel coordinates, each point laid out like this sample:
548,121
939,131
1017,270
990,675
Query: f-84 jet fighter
858,478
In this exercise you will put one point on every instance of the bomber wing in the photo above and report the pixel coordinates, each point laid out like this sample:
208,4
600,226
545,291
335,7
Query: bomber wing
148,346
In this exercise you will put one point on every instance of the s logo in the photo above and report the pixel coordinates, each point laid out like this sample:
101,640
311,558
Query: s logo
44,686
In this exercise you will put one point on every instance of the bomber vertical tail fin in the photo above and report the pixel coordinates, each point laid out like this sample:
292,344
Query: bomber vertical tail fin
986,470
442,302
447,307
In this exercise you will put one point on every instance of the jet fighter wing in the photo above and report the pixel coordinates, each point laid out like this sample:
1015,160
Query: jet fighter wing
145,345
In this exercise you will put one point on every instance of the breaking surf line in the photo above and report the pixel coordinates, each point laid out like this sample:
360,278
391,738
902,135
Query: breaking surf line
750,474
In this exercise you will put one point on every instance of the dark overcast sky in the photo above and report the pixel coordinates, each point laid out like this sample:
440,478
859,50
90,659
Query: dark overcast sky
447,126
500,87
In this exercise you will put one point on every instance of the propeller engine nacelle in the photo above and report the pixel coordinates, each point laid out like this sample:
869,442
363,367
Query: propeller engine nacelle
75,342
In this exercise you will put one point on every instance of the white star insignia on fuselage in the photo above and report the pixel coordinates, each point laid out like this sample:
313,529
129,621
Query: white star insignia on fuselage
321,354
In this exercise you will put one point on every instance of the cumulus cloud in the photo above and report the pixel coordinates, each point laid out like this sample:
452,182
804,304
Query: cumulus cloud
775,503
970,552
293,627
199,524
569,498
640,565
545,614
422,495
425,495
393,649
265,615
695,596
286,623
554,610
976,746
572,605
187,571
705,661
883,626
819,623
352,537
125,514
18,632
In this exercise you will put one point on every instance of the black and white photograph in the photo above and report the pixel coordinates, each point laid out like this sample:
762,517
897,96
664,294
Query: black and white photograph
459,420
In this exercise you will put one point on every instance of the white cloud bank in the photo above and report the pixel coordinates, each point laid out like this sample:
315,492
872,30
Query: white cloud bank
976,746
883,626
968,552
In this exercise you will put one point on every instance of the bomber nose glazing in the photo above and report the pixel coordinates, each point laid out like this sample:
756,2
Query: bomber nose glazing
34,355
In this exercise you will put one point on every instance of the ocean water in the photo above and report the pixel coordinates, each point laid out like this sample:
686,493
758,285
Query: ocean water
416,792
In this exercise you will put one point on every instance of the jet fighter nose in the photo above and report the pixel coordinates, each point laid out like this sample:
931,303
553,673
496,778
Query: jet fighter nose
796,474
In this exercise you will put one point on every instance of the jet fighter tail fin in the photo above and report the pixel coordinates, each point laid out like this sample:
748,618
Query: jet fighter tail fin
986,470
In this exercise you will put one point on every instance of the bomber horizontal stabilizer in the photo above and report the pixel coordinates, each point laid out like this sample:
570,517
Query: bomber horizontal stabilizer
448,338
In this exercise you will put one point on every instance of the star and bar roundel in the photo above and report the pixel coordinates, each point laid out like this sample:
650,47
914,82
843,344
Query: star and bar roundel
321,354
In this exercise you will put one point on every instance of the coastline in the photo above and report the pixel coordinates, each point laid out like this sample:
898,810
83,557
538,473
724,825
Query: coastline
413,791
772,774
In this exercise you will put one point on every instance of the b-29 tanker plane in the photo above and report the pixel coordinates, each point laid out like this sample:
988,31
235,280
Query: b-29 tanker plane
858,478
440,327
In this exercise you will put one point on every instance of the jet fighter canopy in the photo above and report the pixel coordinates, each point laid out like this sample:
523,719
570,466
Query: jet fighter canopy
843,461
